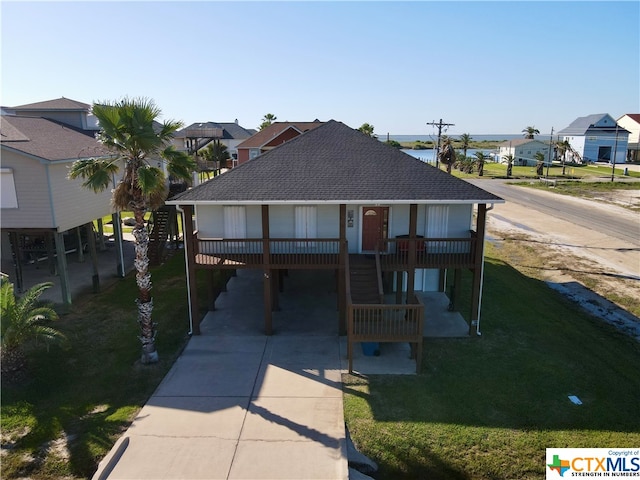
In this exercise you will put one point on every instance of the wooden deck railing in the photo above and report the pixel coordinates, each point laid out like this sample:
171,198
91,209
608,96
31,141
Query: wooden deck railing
283,252
429,252
384,323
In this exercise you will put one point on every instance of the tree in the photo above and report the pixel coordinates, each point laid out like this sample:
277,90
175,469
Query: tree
129,128
539,156
481,157
216,153
447,154
367,130
465,141
267,120
509,158
24,320
531,132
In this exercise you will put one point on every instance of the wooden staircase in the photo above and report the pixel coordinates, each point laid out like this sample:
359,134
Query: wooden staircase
159,235
364,280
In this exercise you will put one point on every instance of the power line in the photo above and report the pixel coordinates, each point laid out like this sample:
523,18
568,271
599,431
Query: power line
439,125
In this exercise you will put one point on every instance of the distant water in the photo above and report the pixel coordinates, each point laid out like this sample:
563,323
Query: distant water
478,138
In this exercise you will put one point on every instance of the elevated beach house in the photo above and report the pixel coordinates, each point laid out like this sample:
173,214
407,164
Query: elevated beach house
44,215
334,198
596,138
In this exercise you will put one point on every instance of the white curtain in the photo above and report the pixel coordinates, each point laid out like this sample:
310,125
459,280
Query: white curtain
437,223
235,222
306,223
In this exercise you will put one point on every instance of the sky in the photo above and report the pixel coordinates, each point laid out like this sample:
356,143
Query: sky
485,67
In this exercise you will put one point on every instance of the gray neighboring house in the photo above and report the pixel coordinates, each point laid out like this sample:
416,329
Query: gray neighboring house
230,134
596,138
44,215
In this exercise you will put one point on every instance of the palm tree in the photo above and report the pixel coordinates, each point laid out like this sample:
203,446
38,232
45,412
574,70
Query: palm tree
367,130
531,132
539,156
24,320
267,120
447,154
509,158
465,141
481,157
129,128
217,153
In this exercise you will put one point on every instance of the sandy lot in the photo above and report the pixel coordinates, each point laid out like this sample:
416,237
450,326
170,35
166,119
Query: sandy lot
596,270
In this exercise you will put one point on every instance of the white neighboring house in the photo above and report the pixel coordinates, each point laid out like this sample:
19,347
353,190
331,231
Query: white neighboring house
524,151
596,138
631,123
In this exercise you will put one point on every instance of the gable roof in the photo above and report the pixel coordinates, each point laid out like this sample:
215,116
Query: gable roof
48,139
269,133
633,116
521,141
598,122
335,164
230,130
56,104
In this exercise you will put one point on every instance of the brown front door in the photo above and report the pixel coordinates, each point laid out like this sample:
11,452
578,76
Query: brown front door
374,226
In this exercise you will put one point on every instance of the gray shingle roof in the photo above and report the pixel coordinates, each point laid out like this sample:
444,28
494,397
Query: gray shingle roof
56,104
581,125
48,139
335,163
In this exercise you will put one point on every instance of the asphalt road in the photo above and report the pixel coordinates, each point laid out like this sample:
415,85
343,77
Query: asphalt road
609,220
607,235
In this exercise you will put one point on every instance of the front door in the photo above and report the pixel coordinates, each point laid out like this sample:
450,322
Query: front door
375,221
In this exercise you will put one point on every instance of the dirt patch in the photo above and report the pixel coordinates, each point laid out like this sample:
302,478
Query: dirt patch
598,274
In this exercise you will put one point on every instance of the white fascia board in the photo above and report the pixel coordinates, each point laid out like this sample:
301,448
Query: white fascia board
332,202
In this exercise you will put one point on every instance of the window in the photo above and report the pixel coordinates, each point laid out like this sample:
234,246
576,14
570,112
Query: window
9,197
306,223
235,222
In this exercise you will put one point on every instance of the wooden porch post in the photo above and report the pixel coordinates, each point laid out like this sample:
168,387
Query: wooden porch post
190,251
93,252
411,268
477,269
341,280
399,280
63,272
14,240
266,261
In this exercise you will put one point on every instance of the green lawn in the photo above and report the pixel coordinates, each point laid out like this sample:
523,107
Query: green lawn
499,170
90,393
486,408
483,408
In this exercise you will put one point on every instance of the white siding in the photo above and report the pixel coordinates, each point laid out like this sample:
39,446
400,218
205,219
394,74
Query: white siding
74,204
32,190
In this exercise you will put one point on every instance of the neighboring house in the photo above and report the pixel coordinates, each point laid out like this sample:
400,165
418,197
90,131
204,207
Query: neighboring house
596,138
64,110
524,151
44,214
631,123
272,136
230,134
334,198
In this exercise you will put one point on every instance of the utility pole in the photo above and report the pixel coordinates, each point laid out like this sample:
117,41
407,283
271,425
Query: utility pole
615,151
550,143
439,125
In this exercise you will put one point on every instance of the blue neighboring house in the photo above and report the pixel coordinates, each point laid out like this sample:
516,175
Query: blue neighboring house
596,138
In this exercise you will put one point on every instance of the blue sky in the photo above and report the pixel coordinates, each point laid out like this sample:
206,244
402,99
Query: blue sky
487,67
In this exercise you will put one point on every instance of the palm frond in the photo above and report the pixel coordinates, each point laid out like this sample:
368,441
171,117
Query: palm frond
180,165
150,179
96,172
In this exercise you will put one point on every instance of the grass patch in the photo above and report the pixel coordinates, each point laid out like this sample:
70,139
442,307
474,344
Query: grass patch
71,407
488,407
573,172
